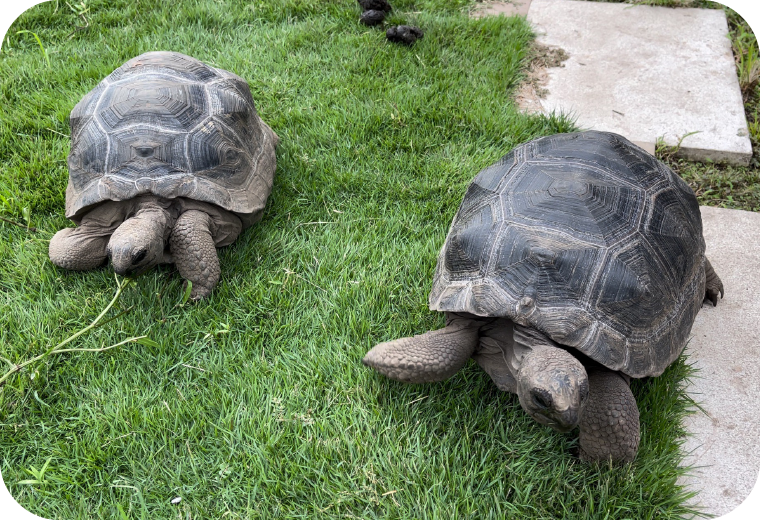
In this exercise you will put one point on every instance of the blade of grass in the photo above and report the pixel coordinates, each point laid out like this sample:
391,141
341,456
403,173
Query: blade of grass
39,42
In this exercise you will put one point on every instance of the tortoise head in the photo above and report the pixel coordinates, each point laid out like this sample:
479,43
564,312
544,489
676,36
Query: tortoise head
138,243
552,386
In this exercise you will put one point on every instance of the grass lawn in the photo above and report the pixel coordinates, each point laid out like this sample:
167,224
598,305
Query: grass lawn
254,403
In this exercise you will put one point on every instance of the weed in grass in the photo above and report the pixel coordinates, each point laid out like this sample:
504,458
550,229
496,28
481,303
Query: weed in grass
81,9
39,42
25,226
668,152
747,61
38,474
58,349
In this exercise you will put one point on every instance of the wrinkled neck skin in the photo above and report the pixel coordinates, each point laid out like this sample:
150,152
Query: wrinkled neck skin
138,244
552,384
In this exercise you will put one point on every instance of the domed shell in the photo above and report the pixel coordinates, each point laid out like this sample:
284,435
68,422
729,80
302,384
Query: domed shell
169,125
587,238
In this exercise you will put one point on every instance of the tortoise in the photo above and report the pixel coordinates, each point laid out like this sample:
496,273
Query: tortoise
573,264
169,160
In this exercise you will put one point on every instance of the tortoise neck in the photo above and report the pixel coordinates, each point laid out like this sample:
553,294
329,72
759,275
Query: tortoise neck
152,201
161,211
529,342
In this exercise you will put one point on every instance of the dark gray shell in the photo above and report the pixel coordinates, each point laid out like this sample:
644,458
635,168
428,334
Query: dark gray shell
169,125
586,238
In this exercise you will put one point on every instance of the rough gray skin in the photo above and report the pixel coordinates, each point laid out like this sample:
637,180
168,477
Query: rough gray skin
143,232
169,160
558,247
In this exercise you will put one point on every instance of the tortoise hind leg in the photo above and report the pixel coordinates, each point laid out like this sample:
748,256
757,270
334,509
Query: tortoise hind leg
713,285
427,358
610,420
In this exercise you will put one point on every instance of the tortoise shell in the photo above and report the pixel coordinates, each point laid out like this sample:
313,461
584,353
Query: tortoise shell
169,125
588,239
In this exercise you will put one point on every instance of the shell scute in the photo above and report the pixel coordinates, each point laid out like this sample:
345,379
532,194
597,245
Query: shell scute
590,240
172,64
157,103
169,125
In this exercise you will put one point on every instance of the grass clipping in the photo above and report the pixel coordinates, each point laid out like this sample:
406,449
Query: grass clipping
59,348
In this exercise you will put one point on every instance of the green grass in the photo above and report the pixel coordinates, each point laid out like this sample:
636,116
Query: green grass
254,403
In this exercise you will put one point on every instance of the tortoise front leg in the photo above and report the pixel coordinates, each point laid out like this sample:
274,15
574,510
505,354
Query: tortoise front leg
79,249
713,285
429,357
84,247
193,250
610,420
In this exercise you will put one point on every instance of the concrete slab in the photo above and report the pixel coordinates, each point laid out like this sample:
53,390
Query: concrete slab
724,441
646,72
647,147
506,8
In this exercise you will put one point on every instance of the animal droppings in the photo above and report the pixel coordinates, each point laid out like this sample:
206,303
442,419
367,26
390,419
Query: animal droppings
375,5
406,34
372,17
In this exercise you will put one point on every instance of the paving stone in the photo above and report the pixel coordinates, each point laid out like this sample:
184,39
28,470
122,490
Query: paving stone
646,72
724,441
647,147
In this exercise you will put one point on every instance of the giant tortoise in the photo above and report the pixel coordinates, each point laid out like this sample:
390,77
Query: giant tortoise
168,161
574,263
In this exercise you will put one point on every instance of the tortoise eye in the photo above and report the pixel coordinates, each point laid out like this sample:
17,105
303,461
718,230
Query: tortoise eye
541,398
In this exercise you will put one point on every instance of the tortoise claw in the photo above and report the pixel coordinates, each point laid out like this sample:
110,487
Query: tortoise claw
713,284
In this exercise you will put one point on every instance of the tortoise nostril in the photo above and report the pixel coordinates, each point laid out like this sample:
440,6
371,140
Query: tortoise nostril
541,398
139,256
121,271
